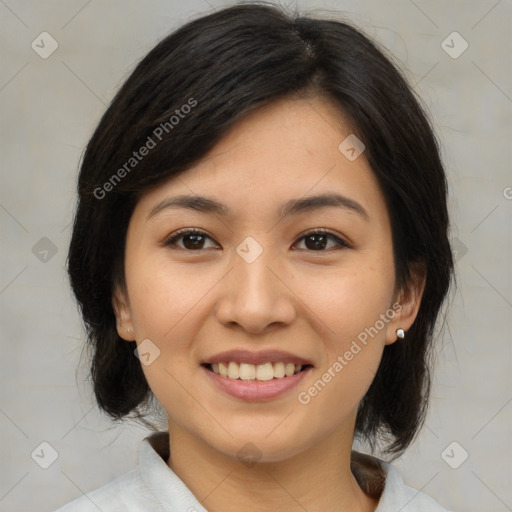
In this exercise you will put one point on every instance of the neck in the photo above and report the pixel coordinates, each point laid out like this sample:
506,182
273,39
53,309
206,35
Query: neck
317,479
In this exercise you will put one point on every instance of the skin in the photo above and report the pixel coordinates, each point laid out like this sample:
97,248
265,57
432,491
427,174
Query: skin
194,303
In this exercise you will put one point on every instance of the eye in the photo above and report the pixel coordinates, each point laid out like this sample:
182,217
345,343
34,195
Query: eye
319,239
193,239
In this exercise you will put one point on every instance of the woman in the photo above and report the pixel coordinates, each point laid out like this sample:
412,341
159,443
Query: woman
261,246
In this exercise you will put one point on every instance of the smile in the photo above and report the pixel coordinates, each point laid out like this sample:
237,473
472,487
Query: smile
259,372
255,375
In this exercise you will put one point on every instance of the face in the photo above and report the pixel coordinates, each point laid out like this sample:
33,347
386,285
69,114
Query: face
269,274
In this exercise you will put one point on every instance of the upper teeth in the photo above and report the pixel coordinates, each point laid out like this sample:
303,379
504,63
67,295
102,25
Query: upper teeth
266,371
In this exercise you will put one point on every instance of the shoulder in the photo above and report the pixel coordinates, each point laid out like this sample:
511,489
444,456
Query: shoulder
126,492
399,496
381,480
152,485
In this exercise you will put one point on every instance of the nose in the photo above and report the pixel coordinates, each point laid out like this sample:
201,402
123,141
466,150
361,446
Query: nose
255,297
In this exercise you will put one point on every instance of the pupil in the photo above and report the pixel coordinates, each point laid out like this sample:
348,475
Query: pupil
196,241
318,244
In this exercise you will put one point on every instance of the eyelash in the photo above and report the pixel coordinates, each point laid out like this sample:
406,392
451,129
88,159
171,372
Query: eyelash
171,241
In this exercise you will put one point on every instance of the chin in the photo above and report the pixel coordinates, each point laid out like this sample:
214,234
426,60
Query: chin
259,445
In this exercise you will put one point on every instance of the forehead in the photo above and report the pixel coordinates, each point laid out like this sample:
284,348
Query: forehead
288,149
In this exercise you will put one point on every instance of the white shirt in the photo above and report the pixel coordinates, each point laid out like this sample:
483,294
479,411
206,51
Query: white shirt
154,487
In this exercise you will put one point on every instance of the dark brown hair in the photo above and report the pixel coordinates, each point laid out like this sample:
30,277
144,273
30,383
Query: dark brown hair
223,66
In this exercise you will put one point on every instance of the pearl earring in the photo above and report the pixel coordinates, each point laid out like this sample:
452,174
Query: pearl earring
400,333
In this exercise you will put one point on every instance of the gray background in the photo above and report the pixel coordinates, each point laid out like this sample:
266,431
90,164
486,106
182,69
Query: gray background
48,110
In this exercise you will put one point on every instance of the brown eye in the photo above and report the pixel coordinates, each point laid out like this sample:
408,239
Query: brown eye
319,240
192,240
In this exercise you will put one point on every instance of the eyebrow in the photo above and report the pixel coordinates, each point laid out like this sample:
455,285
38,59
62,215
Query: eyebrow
293,206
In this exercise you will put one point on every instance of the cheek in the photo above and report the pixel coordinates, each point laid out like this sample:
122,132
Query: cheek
162,293
352,349
165,304
352,306
161,299
348,300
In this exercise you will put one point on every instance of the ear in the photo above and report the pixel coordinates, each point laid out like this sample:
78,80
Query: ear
123,314
406,303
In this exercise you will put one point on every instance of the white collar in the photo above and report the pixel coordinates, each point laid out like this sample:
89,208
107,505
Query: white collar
173,494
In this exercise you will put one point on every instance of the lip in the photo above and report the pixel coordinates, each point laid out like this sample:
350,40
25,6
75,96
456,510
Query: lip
262,357
254,390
